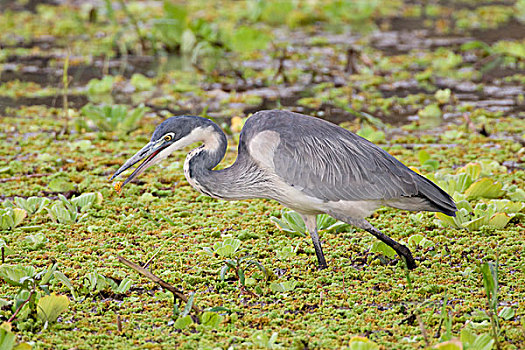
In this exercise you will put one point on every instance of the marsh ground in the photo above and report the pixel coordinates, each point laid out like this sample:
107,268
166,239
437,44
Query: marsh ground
440,85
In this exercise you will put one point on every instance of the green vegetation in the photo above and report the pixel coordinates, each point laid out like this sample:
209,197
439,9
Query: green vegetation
82,86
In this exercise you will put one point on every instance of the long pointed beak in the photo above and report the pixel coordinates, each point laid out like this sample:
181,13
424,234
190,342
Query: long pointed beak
148,153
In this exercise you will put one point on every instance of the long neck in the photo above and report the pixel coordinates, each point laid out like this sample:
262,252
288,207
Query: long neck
240,181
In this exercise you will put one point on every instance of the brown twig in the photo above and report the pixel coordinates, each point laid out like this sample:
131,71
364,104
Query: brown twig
119,324
17,178
281,69
423,330
21,306
148,274
351,61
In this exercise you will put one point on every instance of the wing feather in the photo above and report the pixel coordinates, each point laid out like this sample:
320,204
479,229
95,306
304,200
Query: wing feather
334,164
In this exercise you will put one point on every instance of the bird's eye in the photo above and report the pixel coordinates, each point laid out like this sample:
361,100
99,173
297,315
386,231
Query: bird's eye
168,138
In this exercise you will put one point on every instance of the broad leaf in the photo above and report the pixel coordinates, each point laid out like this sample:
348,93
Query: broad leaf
211,319
362,343
383,248
183,322
49,307
247,39
485,188
283,287
16,275
7,339
507,313
499,220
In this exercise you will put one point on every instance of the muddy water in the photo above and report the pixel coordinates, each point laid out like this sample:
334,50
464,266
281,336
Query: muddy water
397,36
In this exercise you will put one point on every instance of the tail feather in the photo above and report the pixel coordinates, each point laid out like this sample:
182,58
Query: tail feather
440,199
430,197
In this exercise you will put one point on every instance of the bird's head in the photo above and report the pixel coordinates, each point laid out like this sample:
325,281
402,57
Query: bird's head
172,134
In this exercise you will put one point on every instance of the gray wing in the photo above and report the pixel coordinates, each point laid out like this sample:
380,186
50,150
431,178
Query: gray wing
333,164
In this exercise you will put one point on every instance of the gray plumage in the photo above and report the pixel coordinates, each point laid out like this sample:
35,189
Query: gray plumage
305,163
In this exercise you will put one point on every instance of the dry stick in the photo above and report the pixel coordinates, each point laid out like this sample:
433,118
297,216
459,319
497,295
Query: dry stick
65,104
423,330
17,178
119,324
146,273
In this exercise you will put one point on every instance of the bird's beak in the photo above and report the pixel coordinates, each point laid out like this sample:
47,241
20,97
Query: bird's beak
148,152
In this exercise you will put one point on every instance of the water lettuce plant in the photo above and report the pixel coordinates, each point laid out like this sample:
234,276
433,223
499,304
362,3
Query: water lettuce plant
114,117
292,222
233,259
34,299
11,217
495,214
67,211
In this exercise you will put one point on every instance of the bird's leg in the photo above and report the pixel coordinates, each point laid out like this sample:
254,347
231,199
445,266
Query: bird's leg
311,225
400,249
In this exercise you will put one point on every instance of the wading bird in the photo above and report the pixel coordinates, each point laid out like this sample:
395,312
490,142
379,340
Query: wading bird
307,164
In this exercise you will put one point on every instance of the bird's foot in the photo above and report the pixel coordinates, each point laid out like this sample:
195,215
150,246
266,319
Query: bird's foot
406,255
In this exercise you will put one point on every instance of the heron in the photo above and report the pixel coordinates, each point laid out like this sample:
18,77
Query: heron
305,163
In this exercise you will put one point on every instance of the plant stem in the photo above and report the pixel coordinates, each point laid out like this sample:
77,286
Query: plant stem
21,306
135,25
177,293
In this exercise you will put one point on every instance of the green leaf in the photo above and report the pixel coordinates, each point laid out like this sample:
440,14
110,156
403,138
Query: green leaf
63,278
475,224
283,287
183,322
49,274
188,41
490,279
423,156
124,286
211,319
7,339
227,248
224,270
415,239
141,82
36,241
362,343
506,206
468,336
16,275
286,253
189,304
383,248
32,204
7,250
507,313
431,111
499,220
60,185
247,39
472,169
371,134
49,307
453,344
484,188
483,342
18,216
84,201
22,346
443,96
60,213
